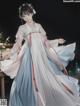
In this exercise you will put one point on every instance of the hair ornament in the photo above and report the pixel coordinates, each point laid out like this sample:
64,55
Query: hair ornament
30,5
23,4
34,12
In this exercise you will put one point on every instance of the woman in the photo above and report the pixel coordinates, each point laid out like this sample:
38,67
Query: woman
36,67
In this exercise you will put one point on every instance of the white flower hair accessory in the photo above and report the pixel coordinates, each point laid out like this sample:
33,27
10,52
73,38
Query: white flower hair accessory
34,12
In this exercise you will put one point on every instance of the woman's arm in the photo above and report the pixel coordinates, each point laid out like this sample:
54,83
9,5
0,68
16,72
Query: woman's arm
19,38
17,45
50,51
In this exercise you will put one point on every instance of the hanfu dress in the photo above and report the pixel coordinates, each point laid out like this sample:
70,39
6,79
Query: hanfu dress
36,70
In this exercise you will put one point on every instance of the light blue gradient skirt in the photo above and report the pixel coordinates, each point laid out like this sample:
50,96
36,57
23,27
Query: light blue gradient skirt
22,90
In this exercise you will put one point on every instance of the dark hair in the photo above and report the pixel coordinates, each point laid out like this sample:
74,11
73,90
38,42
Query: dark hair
25,9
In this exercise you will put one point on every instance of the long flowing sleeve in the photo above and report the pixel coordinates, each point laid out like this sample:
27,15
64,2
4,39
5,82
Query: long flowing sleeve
10,66
18,43
54,42
43,33
50,52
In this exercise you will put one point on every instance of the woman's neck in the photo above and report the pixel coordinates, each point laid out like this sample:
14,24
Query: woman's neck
30,22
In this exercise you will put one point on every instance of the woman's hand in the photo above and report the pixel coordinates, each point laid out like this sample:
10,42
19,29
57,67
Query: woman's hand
6,54
64,70
61,40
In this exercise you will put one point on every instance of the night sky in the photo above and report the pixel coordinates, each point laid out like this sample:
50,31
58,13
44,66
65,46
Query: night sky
57,18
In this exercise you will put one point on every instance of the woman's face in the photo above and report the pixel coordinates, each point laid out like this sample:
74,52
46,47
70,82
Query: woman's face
27,18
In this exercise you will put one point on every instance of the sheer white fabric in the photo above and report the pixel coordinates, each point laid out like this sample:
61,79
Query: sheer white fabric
52,89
